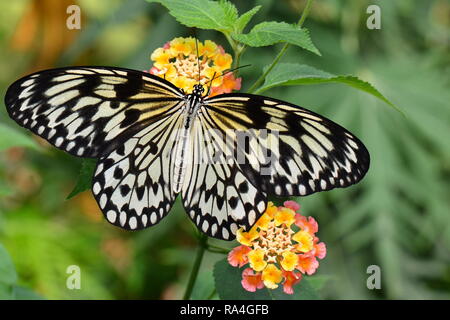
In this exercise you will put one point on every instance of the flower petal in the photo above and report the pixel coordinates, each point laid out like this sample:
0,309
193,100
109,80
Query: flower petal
294,206
307,263
271,276
238,256
290,279
256,258
284,216
308,224
246,238
289,261
305,241
251,281
320,250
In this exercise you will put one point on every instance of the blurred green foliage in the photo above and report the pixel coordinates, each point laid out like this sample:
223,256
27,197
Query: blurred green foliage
397,217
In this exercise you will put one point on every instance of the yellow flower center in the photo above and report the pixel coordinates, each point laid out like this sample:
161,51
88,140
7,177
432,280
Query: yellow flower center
274,241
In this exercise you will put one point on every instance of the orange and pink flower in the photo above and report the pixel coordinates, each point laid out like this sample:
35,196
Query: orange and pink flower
280,248
177,61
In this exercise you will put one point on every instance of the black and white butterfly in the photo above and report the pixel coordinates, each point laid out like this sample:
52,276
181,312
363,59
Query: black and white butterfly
147,135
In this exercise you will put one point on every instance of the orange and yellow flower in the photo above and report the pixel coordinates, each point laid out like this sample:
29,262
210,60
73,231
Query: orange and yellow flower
280,248
238,256
178,62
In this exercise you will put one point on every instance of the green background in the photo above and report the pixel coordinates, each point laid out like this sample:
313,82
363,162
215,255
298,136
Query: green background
397,218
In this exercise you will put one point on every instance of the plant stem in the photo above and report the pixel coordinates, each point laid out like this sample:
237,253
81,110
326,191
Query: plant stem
305,12
237,48
196,267
216,250
260,80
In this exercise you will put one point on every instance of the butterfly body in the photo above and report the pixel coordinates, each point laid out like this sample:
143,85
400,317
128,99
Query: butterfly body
154,142
193,103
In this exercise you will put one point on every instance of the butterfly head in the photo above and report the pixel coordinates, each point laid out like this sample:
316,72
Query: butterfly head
198,90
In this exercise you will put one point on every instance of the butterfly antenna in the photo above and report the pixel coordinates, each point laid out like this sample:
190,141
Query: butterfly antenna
223,74
198,58
210,85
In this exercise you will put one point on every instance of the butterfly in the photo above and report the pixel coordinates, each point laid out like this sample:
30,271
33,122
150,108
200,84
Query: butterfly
150,138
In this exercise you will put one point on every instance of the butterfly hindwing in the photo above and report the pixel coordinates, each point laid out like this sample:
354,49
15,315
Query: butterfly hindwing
307,152
216,195
133,184
89,111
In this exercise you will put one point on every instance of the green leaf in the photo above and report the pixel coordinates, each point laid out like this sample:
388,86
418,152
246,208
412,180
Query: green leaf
319,282
204,286
304,290
228,286
268,33
203,14
292,74
84,181
13,138
244,19
8,275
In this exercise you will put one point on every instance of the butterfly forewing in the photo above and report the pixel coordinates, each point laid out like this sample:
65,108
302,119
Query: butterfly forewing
89,111
308,153
125,118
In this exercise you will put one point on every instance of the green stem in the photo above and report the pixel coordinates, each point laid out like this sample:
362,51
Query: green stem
214,249
305,12
195,269
218,248
260,80
237,48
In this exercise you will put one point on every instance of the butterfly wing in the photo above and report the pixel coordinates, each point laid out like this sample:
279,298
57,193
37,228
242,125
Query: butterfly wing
300,153
89,111
216,195
133,184
125,118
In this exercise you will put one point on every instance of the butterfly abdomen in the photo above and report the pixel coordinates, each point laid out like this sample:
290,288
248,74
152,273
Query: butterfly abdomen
183,142
180,163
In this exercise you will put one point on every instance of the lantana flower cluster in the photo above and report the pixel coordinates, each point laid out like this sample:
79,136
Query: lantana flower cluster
280,248
177,62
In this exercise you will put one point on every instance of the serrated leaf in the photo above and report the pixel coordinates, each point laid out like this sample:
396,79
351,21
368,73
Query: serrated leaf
244,19
203,14
84,178
269,33
8,275
291,74
228,286
13,138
